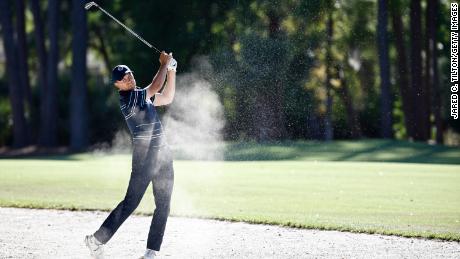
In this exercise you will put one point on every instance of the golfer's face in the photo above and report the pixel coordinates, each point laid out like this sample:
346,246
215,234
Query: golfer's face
129,81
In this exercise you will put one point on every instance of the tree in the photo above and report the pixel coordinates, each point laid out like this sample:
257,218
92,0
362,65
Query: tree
354,50
101,46
16,99
351,116
421,131
328,128
22,53
78,111
50,116
41,54
431,67
405,88
385,96
271,125
260,62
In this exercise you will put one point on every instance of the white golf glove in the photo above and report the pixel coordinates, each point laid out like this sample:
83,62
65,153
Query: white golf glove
172,65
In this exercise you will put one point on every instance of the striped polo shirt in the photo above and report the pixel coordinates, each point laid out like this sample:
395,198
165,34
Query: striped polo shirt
141,117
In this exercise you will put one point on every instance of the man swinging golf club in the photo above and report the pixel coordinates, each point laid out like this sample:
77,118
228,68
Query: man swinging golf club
151,159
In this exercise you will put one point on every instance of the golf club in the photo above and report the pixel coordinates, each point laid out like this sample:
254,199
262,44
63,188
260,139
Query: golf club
91,4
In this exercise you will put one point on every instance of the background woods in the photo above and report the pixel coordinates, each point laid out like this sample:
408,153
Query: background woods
291,70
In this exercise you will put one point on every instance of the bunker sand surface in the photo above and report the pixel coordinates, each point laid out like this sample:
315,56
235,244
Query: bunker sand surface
32,233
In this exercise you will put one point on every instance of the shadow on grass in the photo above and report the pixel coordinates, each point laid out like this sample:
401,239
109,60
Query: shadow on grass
63,157
371,150
69,157
368,150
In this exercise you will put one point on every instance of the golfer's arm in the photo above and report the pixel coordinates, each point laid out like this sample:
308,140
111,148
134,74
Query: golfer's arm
167,96
157,82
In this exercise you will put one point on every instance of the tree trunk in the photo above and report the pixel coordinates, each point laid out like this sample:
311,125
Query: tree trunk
265,125
41,53
352,116
432,68
268,115
426,75
102,47
328,129
51,105
405,88
385,95
14,83
437,102
22,53
78,111
420,132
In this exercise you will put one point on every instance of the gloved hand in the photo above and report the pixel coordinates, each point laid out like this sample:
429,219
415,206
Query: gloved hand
172,66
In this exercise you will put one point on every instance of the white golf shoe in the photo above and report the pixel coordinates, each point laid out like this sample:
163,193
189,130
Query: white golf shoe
149,254
95,247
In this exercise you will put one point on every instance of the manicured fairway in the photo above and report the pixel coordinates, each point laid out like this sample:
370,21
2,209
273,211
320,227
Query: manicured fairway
408,199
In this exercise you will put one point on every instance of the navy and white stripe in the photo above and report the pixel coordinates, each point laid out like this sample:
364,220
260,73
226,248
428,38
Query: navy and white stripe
141,117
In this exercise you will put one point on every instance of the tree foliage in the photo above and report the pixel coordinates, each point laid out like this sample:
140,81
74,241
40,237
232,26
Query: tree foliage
283,69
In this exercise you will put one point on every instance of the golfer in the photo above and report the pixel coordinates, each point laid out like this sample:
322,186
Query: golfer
152,159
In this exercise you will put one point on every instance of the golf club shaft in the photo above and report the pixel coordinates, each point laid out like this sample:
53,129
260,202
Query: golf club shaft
128,29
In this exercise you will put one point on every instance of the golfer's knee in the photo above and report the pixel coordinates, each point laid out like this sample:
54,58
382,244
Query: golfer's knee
163,207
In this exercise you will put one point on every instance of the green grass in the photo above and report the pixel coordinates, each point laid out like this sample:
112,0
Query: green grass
376,150
404,198
370,150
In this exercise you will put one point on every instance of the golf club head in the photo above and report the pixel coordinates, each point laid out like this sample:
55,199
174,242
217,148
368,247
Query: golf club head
89,5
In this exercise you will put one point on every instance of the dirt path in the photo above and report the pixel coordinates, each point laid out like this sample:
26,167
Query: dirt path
26,233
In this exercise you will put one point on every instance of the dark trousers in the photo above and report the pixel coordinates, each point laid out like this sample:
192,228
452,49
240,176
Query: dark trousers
149,164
